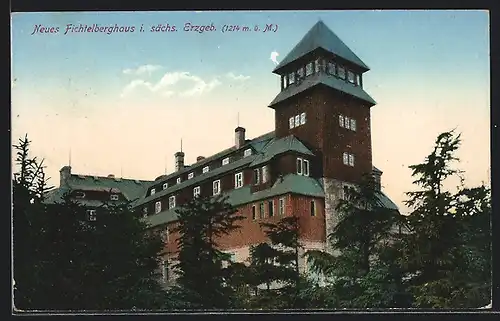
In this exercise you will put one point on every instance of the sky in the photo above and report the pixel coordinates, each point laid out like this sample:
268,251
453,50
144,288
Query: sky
120,103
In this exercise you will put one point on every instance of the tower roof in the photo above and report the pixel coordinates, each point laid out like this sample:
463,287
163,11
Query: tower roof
320,36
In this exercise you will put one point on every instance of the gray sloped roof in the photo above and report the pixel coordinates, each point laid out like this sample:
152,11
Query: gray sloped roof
320,36
324,79
290,183
280,146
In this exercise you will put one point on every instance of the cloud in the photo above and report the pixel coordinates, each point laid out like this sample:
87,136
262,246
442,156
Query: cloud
169,80
145,69
232,76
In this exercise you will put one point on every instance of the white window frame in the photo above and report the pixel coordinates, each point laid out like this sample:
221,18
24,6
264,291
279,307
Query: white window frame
114,197
92,215
206,169
165,185
216,187
291,122
179,180
301,73
171,202
264,170
291,78
196,191
347,122
317,65
157,207
297,120
341,72
153,191
225,161
238,180
309,69
353,124
341,121
351,160
345,158
281,207
350,79
305,169
258,171
302,118
331,68
191,175
299,164
247,152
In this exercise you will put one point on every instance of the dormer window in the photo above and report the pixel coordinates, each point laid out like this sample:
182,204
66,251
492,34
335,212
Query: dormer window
247,152
179,180
190,175
302,167
114,197
309,69
350,77
206,169
79,195
157,207
238,180
317,65
225,161
341,72
291,78
165,185
153,191
331,68
171,202
300,74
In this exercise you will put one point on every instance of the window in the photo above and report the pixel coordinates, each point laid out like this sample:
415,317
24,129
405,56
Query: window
190,175
299,166
179,180
225,161
302,118
331,68
313,208
341,72
291,122
157,207
297,120
264,172
254,216
238,180
196,191
353,124
256,176
291,78
92,215
281,210
165,185
350,77
309,69
347,122
270,206
206,169
153,191
358,80
300,73
247,152
345,159
145,211
114,197
262,214
80,195
171,202
216,187
317,65
305,169
341,121
351,160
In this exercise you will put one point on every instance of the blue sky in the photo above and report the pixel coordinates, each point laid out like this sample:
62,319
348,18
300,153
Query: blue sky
429,73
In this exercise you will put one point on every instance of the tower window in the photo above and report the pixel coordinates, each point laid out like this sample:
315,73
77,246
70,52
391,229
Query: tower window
291,78
171,202
165,185
297,120
291,122
353,124
348,159
302,167
299,166
341,121
158,207
309,69
302,118
238,180
341,72
206,169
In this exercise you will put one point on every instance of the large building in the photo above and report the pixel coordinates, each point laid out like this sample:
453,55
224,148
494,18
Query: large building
321,144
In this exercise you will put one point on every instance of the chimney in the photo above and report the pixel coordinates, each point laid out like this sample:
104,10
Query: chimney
200,158
111,176
239,137
64,174
179,161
